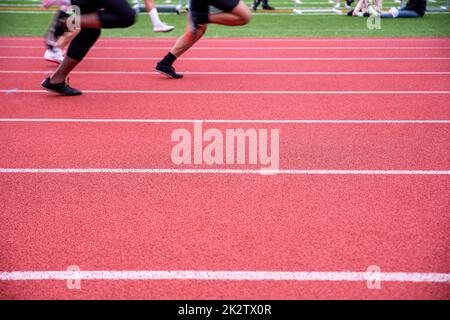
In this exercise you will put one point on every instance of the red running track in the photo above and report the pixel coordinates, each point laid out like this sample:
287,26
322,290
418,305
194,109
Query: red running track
233,222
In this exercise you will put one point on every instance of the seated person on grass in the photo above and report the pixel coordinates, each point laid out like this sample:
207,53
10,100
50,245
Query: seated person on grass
413,9
366,8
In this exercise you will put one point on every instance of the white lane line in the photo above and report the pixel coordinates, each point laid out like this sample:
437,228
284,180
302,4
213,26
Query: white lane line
242,72
233,92
107,40
245,58
248,48
224,275
219,171
261,121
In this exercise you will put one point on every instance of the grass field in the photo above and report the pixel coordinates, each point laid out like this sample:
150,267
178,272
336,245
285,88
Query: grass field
34,23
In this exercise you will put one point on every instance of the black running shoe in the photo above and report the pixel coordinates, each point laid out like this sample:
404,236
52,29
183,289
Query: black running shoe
61,88
268,8
168,71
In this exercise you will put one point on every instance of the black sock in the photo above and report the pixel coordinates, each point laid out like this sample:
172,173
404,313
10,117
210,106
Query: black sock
168,60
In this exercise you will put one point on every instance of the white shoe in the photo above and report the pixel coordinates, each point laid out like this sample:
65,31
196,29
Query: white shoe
338,6
163,28
394,12
54,55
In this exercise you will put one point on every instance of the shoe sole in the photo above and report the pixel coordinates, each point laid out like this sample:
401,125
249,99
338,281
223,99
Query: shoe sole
59,93
166,74
167,30
53,61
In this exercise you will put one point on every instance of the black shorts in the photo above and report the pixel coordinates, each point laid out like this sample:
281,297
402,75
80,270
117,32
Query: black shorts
89,6
202,6
112,13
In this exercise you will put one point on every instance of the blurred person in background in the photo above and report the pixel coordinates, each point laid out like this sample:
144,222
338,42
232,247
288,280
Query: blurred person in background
412,9
158,25
265,5
57,37
366,8
347,4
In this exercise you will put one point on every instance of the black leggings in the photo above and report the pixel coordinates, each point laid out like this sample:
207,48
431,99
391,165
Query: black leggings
112,14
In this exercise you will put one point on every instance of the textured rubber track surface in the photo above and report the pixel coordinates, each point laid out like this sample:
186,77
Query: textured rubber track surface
229,222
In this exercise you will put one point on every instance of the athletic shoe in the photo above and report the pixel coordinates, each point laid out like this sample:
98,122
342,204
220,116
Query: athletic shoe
394,12
169,71
54,55
268,8
347,6
50,3
338,6
61,88
163,28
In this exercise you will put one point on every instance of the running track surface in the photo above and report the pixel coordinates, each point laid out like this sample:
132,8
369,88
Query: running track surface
364,130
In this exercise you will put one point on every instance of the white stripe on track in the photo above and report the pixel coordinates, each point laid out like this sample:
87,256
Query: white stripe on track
244,58
248,48
261,121
243,72
224,275
218,171
14,91
108,40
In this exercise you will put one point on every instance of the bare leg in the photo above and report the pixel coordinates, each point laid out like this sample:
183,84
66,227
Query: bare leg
149,5
63,70
64,40
187,40
90,20
239,16
87,21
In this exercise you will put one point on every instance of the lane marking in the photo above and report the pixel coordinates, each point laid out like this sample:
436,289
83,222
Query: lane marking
107,40
243,58
219,171
224,275
262,121
242,72
248,48
235,92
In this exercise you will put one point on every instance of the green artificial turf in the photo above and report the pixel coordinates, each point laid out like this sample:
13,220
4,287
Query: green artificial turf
262,25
